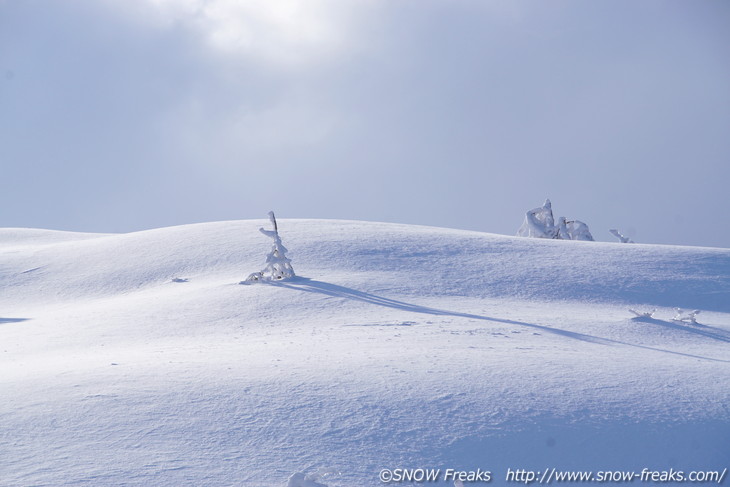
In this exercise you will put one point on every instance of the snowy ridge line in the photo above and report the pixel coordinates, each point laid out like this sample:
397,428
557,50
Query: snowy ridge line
442,261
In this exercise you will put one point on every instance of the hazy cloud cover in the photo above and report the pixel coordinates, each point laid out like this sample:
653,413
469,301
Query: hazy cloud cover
120,116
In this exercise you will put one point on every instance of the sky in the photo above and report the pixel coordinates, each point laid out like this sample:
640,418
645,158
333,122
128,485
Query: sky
124,116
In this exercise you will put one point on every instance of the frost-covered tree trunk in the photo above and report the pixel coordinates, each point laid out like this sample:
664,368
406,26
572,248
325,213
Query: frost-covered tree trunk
278,266
562,229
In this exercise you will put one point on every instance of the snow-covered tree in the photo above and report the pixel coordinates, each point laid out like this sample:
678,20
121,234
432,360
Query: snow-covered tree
686,316
540,223
573,230
643,314
579,231
278,266
621,238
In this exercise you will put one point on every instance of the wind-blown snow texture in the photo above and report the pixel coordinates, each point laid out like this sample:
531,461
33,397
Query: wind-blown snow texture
399,346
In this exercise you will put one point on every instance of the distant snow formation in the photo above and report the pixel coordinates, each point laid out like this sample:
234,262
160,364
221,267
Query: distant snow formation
278,266
621,238
540,223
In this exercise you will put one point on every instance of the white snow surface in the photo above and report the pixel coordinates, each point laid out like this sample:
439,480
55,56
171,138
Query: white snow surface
396,347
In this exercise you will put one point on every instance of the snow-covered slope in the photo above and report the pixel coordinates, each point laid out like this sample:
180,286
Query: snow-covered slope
398,346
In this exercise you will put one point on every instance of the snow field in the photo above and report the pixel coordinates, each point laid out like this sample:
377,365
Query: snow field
398,346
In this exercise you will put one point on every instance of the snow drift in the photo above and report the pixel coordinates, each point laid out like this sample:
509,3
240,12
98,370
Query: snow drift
138,359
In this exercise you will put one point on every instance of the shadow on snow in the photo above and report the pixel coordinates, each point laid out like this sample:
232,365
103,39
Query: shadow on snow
696,328
12,320
333,290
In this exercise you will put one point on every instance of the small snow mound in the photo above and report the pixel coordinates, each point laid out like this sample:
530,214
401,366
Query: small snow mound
300,480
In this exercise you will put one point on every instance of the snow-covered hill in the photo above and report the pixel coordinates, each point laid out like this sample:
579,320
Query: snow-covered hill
397,347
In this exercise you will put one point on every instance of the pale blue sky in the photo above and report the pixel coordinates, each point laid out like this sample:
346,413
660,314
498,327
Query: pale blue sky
121,116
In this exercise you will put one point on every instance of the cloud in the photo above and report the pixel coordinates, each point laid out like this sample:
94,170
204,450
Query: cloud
404,110
286,34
